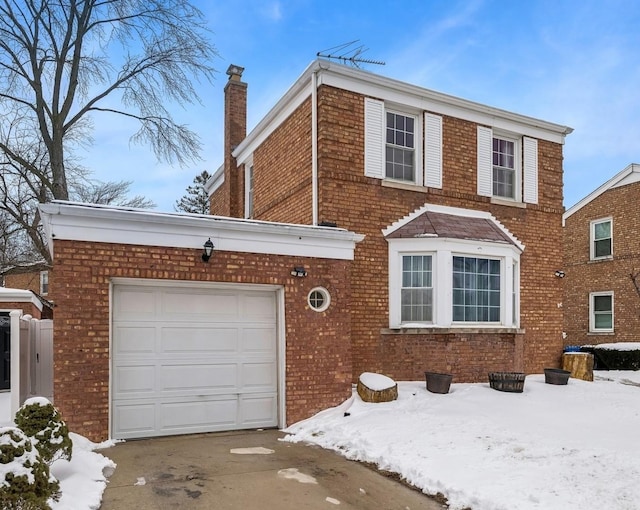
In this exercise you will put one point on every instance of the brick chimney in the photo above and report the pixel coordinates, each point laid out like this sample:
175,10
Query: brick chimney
235,130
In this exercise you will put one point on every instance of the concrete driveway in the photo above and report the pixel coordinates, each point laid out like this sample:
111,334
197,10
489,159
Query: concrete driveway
236,470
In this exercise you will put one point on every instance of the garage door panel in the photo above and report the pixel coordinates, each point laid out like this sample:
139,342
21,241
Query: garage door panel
200,305
190,339
134,379
193,359
259,376
258,339
258,410
190,377
198,415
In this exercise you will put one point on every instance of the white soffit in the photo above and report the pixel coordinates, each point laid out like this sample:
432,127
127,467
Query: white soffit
118,225
19,296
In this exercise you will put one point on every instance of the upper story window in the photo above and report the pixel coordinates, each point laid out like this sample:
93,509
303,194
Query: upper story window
504,168
507,166
400,147
601,239
601,312
44,283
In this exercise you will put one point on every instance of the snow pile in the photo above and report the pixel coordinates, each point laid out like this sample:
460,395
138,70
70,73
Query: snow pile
551,447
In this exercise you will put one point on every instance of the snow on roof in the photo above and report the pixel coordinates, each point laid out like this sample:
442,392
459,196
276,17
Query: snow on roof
8,295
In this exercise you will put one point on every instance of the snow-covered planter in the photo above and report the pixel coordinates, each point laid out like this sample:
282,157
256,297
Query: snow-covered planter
376,388
41,421
25,480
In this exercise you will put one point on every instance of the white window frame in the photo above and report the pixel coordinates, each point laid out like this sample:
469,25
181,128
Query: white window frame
592,316
249,195
517,167
326,296
44,275
443,251
592,238
433,275
418,168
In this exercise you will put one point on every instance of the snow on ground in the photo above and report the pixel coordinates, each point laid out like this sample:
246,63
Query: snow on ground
550,447
83,478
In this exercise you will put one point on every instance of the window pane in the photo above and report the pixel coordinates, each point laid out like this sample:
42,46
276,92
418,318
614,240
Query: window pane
603,321
603,230
476,289
602,303
603,248
416,295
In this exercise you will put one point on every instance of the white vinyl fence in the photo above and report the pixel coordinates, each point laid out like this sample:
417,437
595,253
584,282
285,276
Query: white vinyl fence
31,358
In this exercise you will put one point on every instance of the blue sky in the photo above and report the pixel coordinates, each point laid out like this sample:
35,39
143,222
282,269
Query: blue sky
573,62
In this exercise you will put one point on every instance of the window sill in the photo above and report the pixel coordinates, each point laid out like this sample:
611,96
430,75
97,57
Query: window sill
600,259
449,331
404,185
601,333
509,203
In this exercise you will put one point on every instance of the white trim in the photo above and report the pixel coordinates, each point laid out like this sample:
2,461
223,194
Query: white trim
629,175
443,250
592,326
249,193
215,181
453,211
19,296
485,161
592,238
387,89
374,138
432,150
119,225
314,148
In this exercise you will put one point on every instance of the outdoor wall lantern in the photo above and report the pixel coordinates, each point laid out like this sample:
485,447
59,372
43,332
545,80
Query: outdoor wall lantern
208,251
299,272
559,274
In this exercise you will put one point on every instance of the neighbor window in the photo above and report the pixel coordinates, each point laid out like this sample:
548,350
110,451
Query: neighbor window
248,206
400,146
504,168
417,289
602,238
601,316
44,282
476,289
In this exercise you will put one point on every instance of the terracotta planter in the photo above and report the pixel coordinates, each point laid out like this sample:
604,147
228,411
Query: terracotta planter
438,383
511,382
556,376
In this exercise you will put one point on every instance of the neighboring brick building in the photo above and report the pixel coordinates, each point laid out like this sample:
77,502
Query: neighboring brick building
35,280
388,159
602,260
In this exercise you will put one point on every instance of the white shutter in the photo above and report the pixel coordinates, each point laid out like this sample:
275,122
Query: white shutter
485,161
530,158
374,139
433,150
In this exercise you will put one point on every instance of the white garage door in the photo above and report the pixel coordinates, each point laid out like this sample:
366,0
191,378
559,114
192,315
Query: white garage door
190,359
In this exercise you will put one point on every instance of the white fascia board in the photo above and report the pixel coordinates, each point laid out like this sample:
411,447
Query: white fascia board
629,175
387,89
215,181
19,296
90,222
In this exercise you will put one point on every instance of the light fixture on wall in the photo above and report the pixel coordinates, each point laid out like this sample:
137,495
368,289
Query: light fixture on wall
299,272
208,251
559,274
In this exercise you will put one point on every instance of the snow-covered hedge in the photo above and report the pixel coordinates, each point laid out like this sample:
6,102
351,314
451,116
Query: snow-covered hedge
25,480
41,421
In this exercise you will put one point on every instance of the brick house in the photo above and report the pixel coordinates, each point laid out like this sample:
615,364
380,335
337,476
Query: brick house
35,280
602,257
153,337
460,204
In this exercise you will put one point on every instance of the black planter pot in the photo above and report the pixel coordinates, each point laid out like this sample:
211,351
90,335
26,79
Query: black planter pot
556,376
511,382
438,383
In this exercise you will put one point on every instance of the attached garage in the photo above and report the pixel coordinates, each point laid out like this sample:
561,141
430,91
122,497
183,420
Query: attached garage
153,339
193,358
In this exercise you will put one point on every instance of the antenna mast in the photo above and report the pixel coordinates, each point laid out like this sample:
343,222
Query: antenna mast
347,54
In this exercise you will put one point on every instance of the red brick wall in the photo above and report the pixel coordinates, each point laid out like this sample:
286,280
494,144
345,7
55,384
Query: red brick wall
318,354
584,276
26,281
363,205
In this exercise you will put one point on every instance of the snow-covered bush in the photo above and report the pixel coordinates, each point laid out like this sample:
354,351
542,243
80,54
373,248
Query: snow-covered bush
42,422
25,480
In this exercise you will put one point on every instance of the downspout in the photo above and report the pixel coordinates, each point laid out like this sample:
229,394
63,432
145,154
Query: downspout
314,147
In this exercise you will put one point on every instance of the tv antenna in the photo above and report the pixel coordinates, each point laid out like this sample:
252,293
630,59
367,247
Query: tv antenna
348,54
